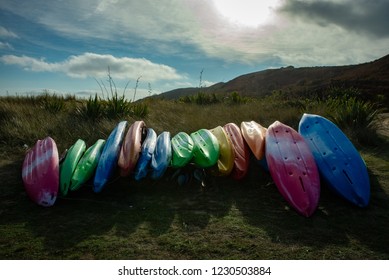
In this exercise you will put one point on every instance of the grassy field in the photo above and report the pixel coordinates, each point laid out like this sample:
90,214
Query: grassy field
225,219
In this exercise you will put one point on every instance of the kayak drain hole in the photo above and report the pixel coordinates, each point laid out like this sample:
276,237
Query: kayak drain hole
348,177
302,183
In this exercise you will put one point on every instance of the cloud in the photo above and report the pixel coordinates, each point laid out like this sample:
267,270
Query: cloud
6,46
369,17
303,33
4,33
96,65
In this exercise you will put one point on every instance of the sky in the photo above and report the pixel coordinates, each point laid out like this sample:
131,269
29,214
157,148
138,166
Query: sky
70,46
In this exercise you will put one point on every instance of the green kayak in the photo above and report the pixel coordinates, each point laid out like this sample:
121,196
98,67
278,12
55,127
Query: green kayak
182,145
205,149
87,165
69,164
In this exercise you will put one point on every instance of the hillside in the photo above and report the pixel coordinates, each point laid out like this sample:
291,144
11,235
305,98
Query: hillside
369,78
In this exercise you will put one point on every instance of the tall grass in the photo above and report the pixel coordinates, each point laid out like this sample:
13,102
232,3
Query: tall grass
26,117
52,103
356,117
202,98
92,109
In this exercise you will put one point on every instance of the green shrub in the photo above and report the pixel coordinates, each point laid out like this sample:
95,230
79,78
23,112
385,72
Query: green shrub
117,106
92,109
52,103
356,117
185,99
236,98
139,110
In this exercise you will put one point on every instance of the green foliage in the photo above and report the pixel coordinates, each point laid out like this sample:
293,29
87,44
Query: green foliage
52,103
92,109
285,99
357,117
236,98
342,93
117,106
139,110
202,98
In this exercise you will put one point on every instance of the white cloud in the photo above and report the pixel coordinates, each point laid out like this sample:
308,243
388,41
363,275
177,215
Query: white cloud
6,46
5,33
96,66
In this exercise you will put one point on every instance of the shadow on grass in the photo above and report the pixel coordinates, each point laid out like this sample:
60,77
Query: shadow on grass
160,208
336,222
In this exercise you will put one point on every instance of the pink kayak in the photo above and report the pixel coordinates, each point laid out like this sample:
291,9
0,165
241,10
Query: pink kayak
293,168
242,153
131,148
40,172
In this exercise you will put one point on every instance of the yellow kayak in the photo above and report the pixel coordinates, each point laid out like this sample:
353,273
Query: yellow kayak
226,159
254,134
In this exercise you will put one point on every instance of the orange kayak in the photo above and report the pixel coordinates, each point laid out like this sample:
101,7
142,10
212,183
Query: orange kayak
254,134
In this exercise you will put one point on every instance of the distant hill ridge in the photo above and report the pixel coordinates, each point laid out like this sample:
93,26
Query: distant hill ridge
369,78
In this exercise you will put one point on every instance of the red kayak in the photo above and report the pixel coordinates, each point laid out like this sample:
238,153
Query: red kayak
40,172
293,168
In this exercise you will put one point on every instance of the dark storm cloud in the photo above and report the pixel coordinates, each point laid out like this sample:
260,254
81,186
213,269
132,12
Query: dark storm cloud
369,17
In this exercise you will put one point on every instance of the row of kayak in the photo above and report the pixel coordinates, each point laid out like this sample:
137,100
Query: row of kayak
297,161
140,153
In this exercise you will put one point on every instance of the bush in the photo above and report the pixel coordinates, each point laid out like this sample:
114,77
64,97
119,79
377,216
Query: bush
92,109
356,117
52,103
139,110
236,98
117,106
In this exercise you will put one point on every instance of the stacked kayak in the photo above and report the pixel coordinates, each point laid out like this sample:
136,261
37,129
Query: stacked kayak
131,148
296,160
293,168
161,156
225,162
182,145
338,161
147,151
40,172
241,151
69,165
87,165
109,157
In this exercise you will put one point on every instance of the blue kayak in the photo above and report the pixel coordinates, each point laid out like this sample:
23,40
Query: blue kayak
146,154
109,157
162,155
338,161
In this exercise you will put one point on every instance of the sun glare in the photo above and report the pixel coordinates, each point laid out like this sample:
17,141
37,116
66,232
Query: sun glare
249,13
